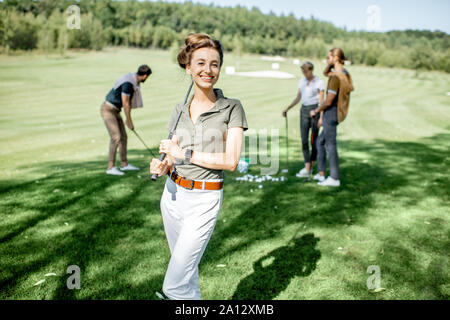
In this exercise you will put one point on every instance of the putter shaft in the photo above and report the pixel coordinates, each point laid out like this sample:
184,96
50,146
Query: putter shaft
163,155
144,143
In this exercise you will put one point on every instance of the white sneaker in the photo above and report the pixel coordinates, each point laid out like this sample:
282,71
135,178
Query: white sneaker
319,178
303,173
329,182
114,171
129,167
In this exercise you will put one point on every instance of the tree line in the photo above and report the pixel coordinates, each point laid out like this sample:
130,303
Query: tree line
32,24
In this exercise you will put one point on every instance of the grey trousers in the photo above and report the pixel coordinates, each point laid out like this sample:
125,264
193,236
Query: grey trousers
306,123
327,144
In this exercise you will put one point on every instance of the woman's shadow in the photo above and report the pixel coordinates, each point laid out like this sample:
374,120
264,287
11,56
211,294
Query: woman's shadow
298,258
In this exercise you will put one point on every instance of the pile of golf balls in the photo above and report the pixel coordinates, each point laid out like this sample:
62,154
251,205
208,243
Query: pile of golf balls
259,179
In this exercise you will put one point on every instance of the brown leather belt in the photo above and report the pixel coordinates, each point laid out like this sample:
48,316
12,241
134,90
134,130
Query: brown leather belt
194,184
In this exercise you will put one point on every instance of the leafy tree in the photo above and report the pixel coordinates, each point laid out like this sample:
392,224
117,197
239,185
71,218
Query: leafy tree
31,24
422,58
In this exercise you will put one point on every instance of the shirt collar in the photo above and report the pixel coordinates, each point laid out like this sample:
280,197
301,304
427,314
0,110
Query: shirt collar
221,102
312,80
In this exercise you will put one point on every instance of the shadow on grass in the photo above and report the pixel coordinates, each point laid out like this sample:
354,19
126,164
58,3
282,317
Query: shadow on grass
269,278
107,213
404,173
101,212
414,262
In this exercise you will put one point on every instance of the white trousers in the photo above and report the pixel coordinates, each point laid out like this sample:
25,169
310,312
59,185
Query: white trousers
189,218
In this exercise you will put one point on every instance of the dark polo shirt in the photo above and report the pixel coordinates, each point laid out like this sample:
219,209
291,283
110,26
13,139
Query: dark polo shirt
115,96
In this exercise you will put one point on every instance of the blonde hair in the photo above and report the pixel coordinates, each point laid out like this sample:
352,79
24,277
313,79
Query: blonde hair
196,41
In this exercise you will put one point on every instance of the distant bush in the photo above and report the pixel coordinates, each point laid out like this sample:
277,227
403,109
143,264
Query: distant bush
19,31
391,58
91,35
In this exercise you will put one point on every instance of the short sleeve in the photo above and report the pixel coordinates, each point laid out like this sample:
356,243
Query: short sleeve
127,88
333,84
300,83
237,117
172,118
321,85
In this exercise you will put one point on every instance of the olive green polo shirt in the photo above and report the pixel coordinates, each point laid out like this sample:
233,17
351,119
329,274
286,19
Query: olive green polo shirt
208,134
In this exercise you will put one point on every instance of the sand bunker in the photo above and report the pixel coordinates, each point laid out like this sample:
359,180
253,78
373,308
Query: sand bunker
266,74
271,58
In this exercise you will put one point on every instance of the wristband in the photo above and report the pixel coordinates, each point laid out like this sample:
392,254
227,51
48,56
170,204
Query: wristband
188,155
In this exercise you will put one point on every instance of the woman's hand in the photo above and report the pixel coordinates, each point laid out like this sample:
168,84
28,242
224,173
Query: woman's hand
285,113
327,70
319,123
160,167
312,113
171,148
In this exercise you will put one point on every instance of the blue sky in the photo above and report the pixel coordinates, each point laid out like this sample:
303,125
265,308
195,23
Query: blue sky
393,14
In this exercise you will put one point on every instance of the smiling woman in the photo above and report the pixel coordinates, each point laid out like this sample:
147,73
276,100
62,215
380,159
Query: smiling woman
207,141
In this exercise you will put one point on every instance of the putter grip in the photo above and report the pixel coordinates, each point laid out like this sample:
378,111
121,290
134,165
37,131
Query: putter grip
163,155
161,158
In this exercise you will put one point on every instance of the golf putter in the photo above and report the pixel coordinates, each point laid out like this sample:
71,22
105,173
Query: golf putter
163,155
287,143
153,155
313,139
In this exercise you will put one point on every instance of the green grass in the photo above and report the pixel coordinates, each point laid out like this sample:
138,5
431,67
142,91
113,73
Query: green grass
288,240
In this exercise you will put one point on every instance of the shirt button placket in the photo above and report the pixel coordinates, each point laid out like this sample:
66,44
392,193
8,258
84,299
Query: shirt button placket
197,129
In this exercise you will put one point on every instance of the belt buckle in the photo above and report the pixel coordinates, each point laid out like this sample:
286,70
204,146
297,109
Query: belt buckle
171,174
192,185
